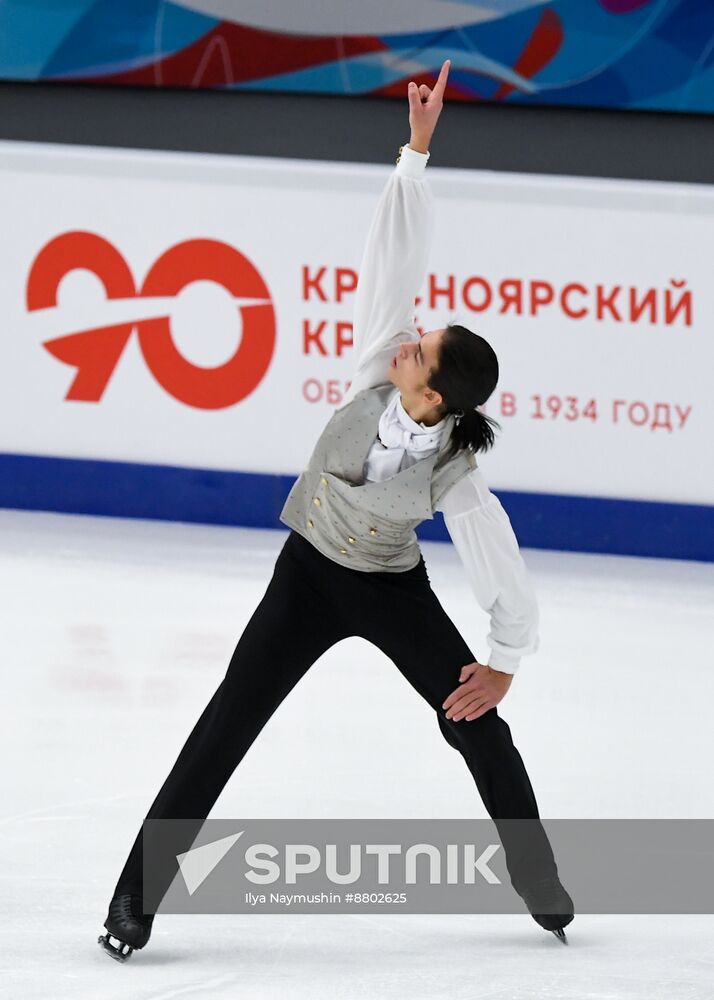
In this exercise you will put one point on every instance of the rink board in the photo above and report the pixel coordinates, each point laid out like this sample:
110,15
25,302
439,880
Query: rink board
177,332
540,520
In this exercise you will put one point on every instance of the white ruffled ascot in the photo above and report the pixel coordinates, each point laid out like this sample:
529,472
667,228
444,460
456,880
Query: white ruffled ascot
401,442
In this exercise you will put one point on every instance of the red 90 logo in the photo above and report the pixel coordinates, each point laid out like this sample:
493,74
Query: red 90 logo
96,352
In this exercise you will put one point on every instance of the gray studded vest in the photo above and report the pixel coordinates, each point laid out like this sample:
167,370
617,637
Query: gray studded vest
363,525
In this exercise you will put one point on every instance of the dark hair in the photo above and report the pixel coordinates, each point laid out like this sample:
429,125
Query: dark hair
465,376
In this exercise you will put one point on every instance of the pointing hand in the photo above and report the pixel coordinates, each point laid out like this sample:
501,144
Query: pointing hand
425,106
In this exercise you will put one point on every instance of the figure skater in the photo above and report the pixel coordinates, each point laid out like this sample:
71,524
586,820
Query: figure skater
401,445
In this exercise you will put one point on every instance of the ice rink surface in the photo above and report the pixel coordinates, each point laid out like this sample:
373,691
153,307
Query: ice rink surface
116,633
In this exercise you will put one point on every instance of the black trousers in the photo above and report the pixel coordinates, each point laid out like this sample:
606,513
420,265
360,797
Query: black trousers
310,604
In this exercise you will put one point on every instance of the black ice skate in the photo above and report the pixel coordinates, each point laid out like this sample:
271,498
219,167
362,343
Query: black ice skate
126,923
548,894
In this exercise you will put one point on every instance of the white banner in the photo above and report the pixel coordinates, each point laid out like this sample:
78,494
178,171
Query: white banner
195,310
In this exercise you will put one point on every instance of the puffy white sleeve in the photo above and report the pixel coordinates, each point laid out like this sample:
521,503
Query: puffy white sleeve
392,270
484,538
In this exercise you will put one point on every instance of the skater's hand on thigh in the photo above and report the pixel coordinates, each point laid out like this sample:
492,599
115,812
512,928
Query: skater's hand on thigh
481,690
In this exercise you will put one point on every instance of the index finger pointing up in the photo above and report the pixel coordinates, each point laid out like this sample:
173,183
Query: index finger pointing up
440,85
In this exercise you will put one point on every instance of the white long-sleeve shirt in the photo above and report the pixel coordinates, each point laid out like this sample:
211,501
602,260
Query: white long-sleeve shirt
393,268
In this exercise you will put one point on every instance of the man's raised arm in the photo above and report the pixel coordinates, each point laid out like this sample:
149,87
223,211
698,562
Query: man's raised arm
395,257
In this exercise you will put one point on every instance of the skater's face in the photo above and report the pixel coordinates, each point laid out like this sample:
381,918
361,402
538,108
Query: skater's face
410,368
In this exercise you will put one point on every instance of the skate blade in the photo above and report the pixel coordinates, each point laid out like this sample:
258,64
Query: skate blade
117,953
560,934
